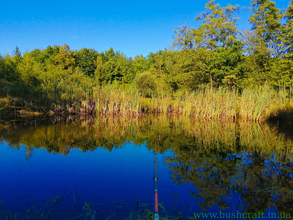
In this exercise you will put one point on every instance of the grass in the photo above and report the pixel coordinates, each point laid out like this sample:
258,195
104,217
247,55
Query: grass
255,104
260,104
208,103
223,103
87,210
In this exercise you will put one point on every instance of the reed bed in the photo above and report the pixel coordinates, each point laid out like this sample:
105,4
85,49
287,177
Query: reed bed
116,100
258,104
282,108
222,103
212,103
209,103
255,104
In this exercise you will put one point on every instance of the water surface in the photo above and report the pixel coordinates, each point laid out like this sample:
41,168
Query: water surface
103,168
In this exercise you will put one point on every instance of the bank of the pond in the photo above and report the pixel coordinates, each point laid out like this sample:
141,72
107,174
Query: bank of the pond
263,103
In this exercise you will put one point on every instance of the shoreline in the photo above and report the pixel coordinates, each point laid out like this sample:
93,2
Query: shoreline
262,104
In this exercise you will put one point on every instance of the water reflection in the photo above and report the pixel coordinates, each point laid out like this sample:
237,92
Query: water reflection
231,165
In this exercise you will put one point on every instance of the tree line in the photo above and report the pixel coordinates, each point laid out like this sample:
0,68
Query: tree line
215,54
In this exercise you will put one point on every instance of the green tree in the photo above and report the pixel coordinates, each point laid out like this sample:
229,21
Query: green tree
8,68
113,68
139,64
218,29
189,69
288,31
2,67
263,44
284,66
65,59
51,81
86,61
218,40
266,25
160,65
45,57
107,55
29,70
99,72
226,65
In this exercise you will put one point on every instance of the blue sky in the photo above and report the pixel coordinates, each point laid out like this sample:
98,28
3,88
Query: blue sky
131,27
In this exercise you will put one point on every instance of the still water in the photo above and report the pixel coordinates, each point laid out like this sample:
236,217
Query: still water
104,168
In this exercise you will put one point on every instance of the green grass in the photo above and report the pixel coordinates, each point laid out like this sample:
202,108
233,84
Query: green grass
223,103
259,104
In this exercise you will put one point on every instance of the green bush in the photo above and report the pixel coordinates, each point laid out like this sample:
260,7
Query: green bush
146,84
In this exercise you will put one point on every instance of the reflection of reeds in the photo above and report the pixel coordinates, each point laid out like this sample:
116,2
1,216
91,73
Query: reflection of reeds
187,138
165,131
264,139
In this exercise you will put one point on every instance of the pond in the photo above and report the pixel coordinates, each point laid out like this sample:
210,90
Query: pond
104,168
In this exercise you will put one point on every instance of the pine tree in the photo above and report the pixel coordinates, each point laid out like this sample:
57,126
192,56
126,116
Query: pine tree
17,53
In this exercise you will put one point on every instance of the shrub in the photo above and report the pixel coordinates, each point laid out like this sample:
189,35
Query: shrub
146,84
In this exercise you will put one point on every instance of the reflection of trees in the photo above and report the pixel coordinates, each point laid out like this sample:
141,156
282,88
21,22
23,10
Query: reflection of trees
163,131
60,138
217,174
212,173
268,182
245,160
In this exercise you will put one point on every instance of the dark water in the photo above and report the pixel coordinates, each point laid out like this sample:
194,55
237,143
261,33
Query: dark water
104,169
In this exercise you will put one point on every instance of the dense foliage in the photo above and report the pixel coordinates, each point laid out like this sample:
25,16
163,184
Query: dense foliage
216,54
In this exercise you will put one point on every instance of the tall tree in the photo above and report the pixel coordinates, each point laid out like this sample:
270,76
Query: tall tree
264,43
218,35
266,25
219,29
283,66
288,31
190,69
8,68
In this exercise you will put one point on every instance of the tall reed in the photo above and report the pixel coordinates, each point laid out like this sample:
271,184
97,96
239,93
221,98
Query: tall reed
222,103
254,104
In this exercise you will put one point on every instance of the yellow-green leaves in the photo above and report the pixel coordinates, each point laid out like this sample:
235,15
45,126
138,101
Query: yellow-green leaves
65,59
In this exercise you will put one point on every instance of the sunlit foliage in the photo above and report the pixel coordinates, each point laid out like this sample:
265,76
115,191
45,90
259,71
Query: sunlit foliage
214,55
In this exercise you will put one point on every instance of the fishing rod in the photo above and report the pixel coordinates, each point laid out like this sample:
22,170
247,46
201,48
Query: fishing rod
156,204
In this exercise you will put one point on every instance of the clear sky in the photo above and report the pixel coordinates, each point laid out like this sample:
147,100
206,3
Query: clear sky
131,27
